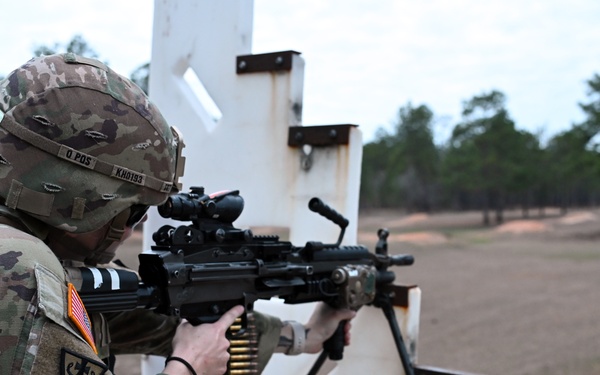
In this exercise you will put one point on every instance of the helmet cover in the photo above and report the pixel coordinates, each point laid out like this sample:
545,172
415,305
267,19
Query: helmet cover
80,143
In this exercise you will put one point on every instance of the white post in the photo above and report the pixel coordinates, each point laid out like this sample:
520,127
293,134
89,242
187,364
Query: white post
244,144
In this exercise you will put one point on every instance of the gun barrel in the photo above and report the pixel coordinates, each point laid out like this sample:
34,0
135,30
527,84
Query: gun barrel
402,260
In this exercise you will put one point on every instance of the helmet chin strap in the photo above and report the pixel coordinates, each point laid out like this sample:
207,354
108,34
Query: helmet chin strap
104,253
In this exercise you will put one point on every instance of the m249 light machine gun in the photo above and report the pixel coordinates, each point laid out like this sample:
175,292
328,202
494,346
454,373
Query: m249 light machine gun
200,270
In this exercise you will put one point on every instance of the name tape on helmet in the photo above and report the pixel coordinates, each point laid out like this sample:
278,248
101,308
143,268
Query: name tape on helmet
83,159
128,175
166,187
77,157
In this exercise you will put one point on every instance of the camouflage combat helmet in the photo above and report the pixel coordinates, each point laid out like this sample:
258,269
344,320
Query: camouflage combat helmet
80,144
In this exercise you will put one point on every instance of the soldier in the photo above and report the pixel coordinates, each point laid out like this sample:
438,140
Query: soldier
83,154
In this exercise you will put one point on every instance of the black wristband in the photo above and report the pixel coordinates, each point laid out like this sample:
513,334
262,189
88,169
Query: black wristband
186,363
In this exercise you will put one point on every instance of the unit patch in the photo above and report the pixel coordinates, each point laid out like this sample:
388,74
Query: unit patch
72,363
79,317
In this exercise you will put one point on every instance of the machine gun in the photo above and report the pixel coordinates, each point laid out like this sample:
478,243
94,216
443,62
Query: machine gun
200,270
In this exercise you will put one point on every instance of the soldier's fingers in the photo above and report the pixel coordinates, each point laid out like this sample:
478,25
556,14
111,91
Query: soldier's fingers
229,317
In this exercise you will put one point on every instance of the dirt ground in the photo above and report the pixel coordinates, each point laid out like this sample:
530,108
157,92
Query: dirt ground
522,298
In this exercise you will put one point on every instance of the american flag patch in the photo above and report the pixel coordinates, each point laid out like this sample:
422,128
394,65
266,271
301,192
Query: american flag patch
79,316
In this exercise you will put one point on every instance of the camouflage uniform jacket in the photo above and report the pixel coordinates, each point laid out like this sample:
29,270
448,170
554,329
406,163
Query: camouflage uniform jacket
37,336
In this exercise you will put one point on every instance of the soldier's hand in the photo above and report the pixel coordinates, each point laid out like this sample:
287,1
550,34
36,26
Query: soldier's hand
203,346
323,323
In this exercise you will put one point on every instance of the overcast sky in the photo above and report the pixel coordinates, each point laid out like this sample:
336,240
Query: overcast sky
364,58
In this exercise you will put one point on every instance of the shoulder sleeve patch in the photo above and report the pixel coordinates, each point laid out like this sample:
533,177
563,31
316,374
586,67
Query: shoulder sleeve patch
54,301
79,316
72,363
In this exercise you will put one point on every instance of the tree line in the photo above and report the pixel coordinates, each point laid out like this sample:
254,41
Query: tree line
487,164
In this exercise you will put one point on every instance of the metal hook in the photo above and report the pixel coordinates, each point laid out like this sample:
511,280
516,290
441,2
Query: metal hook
306,159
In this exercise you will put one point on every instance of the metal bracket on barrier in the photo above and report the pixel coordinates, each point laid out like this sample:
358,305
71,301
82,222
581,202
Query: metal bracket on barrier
266,62
308,137
400,296
319,136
